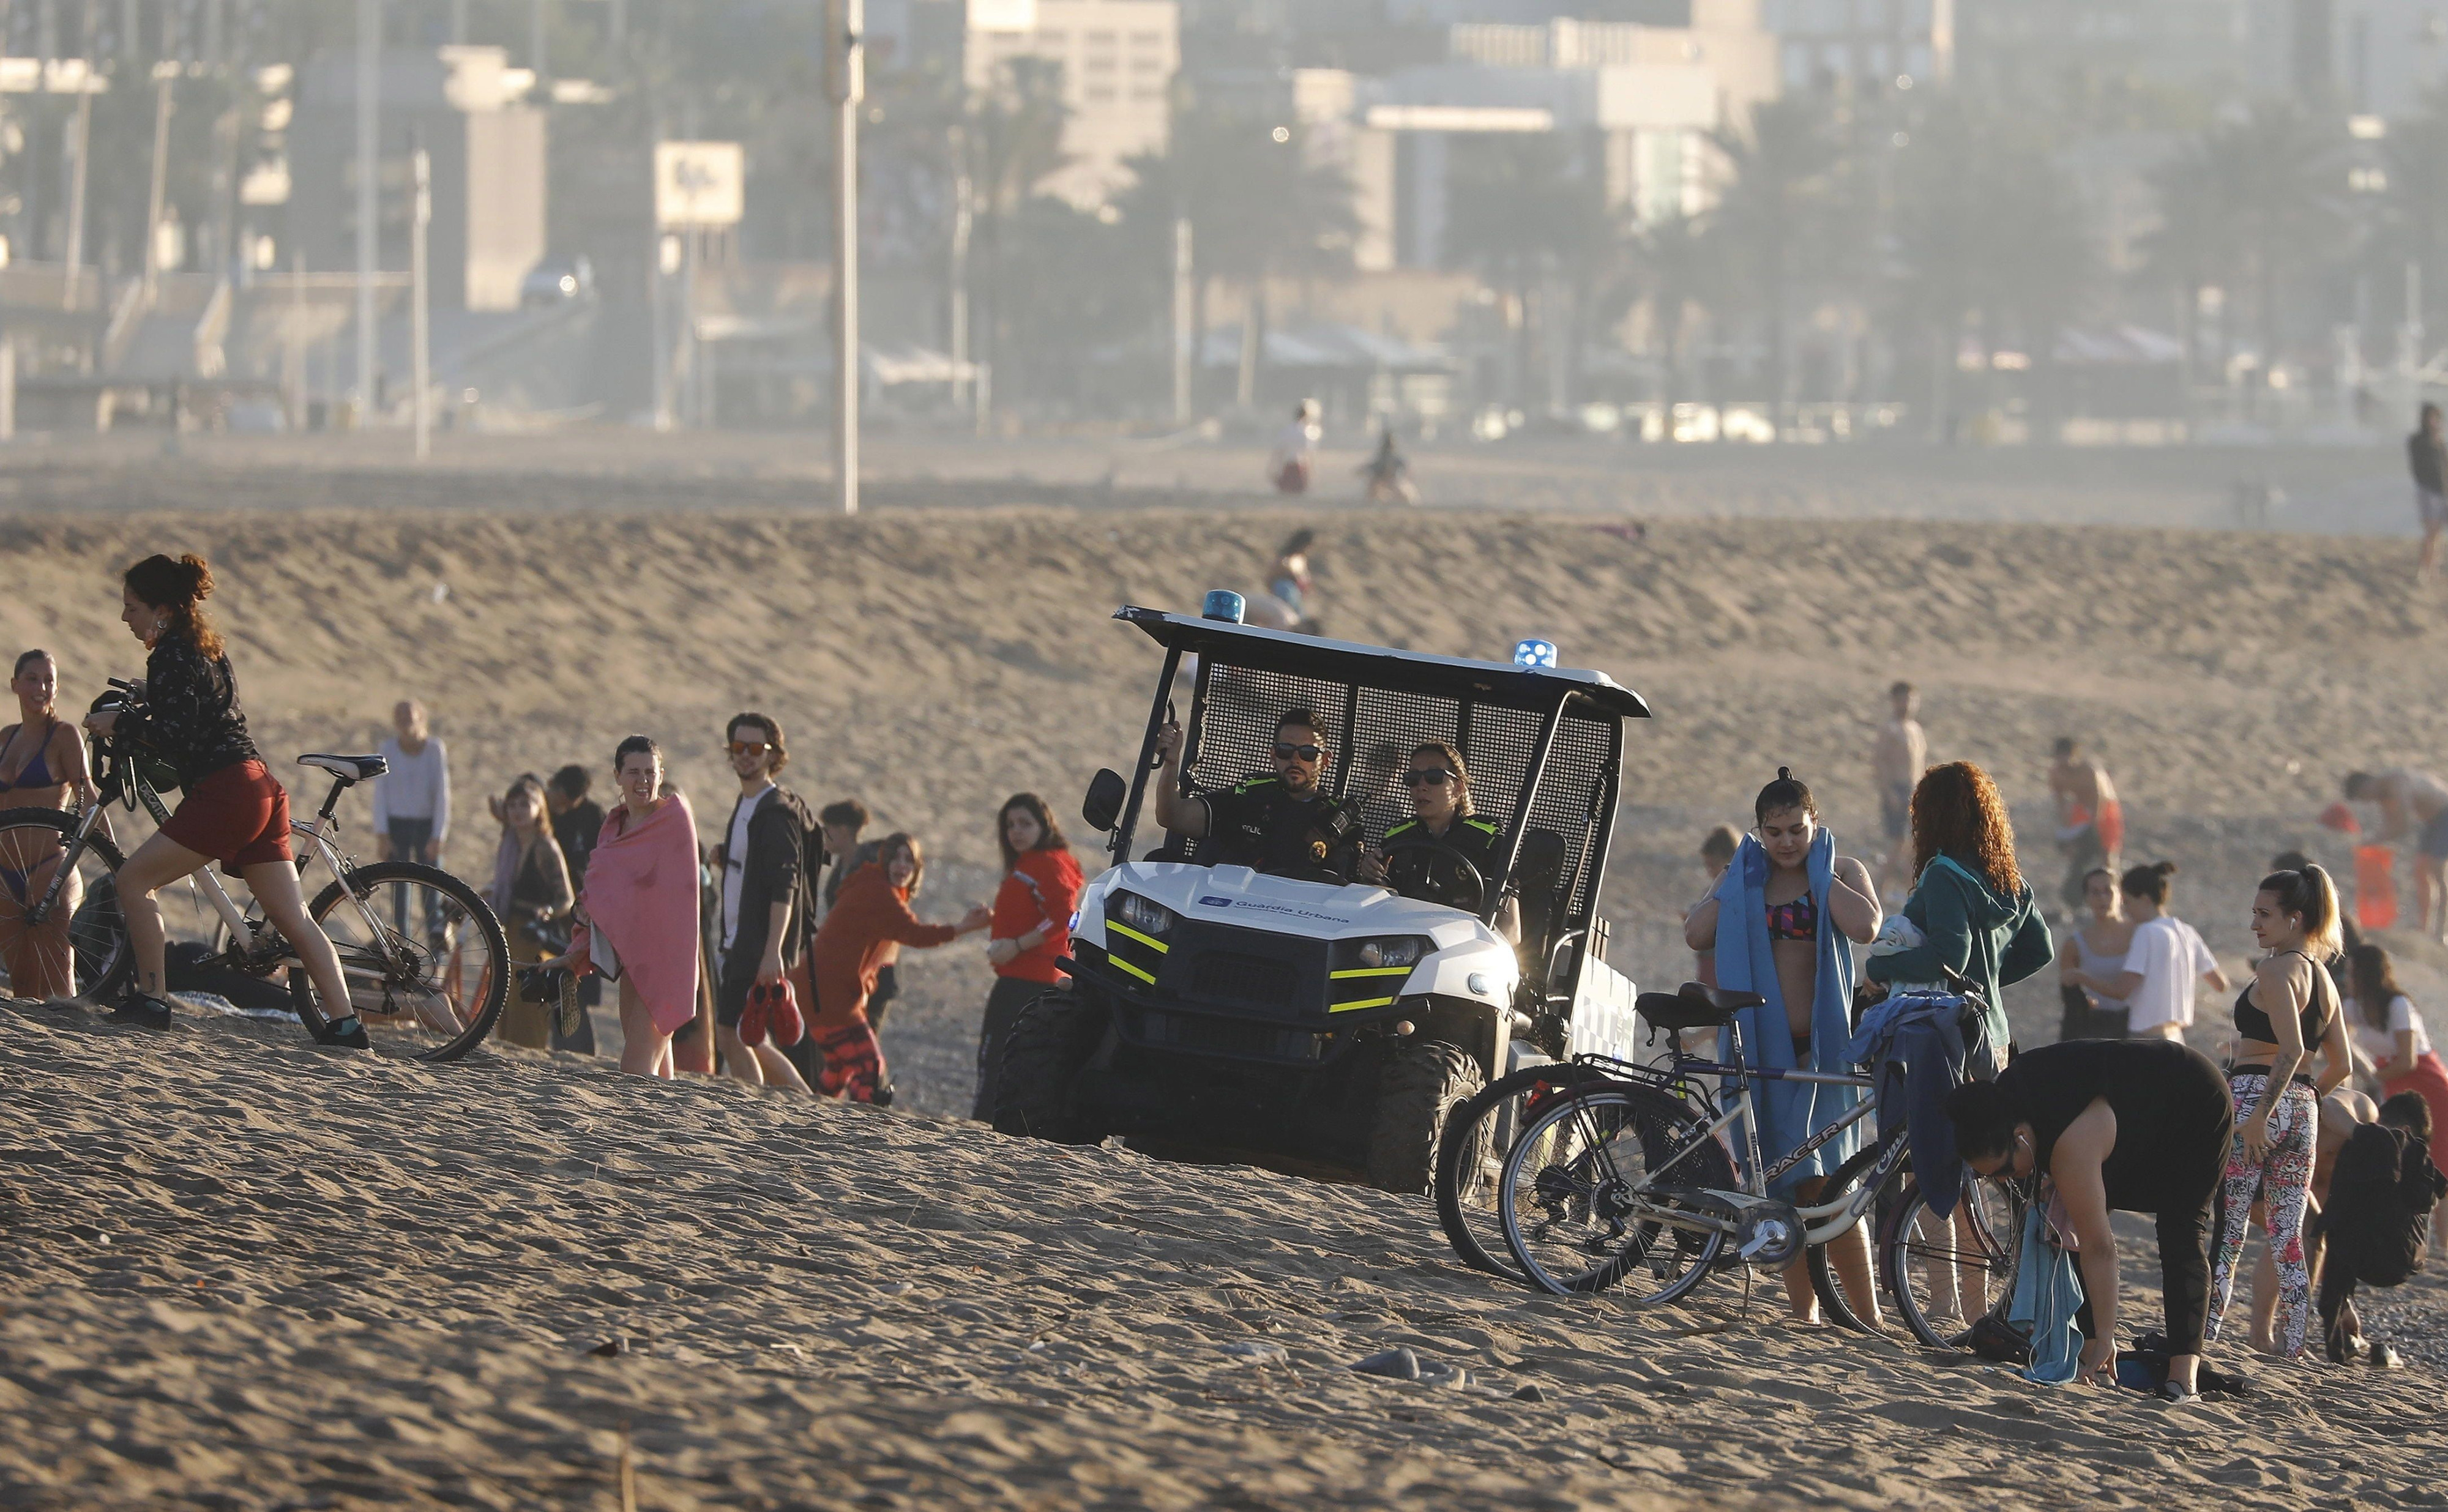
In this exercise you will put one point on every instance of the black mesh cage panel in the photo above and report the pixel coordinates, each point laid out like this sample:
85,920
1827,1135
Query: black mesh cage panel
1372,733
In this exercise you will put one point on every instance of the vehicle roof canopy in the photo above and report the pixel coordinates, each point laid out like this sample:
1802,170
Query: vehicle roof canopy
1374,705
1501,684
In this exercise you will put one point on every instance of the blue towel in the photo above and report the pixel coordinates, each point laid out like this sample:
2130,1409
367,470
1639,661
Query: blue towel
2047,1291
1790,1112
1914,1045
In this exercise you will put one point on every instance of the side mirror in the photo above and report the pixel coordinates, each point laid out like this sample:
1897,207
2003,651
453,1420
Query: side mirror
1107,792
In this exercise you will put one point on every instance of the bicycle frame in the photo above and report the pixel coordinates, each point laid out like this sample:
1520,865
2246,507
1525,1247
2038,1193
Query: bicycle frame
124,783
1821,1221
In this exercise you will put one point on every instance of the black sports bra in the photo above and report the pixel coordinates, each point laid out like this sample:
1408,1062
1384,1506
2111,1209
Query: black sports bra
2254,1025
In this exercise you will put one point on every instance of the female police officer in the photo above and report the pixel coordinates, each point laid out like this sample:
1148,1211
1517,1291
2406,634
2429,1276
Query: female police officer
1440,785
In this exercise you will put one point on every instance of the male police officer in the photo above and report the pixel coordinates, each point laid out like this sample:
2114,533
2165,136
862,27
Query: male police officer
1283,825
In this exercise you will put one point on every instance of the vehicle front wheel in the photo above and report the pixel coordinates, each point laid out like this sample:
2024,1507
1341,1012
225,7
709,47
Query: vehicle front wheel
1425,1081
1036,1085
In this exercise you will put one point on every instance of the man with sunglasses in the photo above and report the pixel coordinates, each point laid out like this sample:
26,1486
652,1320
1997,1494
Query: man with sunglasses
767,896
1284,825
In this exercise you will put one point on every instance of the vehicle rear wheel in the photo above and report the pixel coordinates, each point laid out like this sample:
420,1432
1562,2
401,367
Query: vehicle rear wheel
1418,1093
1037,1085
1947,1274
1601,1190
424,957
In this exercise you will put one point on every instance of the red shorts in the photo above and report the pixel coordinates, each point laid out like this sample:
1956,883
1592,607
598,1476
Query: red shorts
239,817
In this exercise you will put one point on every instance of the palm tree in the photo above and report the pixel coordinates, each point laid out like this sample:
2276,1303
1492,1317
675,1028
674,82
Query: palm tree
1679,272
1526,215
1778,218
2270,186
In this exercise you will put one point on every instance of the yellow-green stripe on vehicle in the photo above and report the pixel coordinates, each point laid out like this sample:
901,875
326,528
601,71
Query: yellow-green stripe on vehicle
1372,971
1129,933
1354,1008
1148,977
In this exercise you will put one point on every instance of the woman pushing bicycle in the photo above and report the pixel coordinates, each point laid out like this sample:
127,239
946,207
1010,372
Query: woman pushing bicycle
233,810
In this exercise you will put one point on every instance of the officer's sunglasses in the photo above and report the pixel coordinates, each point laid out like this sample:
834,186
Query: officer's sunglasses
1305,752
1427,778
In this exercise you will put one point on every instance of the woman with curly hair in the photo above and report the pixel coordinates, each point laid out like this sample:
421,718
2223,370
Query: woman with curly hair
1970,901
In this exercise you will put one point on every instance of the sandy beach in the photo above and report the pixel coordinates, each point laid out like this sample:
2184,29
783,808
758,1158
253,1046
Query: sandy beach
832,1306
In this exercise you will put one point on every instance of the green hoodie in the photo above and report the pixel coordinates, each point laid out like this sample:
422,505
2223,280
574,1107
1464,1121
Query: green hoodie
1968,928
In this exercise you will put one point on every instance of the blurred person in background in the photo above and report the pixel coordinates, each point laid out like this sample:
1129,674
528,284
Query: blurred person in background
1897,758
2426,457
1388,474
1717,850
872,913
42,765
2163,964
412,804
1031,927
1295,457
577,819
2389,1030
766,897
531,892
2097,946
2091,821
2415,803
843,822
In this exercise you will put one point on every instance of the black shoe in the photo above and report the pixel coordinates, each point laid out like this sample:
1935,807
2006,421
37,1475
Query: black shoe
142,1009
347,1032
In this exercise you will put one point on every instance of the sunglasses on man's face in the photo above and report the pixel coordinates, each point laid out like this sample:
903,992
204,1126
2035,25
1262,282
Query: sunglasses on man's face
749,748
1427,779
1305,752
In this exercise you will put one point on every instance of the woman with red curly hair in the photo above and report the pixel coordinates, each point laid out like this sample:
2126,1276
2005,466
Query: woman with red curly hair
1970,901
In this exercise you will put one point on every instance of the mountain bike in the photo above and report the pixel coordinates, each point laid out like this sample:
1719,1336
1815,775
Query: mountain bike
425,958
1627,1179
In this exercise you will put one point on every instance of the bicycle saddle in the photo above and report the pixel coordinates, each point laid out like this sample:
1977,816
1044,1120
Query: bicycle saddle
347,767
1695,1007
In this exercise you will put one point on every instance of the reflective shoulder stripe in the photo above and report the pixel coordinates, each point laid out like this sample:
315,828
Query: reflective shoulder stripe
1406,824
1252,784
1483,826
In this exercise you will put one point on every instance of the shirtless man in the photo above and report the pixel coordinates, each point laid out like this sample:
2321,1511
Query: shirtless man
2414,802
1897,761
2091,823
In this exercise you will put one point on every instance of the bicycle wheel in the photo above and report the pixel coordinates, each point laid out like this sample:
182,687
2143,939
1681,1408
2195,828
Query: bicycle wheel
427,964
1592,1191
1844,1183
1471,1159
1946,1274
80,948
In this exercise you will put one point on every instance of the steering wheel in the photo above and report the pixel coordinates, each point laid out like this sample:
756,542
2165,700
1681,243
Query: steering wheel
1470,872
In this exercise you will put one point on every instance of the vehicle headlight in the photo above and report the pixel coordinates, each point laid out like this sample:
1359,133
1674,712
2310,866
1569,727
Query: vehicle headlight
1138,913
1402,950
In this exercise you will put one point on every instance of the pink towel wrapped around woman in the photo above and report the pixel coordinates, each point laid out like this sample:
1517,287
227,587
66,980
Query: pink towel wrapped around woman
641,894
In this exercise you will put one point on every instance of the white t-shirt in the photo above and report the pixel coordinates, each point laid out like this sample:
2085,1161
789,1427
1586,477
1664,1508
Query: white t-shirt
735,861
2170,959
2381,1045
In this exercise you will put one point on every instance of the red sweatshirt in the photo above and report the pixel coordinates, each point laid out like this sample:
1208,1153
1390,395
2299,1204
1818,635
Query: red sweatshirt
1043,889
869,915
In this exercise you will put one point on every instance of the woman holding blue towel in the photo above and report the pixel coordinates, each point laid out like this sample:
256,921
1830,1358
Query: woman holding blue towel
1776,923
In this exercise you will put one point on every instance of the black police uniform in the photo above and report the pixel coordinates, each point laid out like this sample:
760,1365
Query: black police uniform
1430,878
1259,824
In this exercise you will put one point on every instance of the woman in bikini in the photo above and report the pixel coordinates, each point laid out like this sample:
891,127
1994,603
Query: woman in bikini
2291,1006
42,765
1797,926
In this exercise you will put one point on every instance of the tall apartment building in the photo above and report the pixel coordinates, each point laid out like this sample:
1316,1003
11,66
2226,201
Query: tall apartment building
1868,42
1118,59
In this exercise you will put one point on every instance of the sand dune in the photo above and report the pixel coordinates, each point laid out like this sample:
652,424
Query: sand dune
243,1273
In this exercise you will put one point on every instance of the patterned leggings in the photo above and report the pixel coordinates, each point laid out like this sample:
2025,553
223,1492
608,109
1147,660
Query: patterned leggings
2279,1180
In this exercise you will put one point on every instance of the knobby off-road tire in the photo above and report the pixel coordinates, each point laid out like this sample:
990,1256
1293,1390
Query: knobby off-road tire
1423,1084
1037,1088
